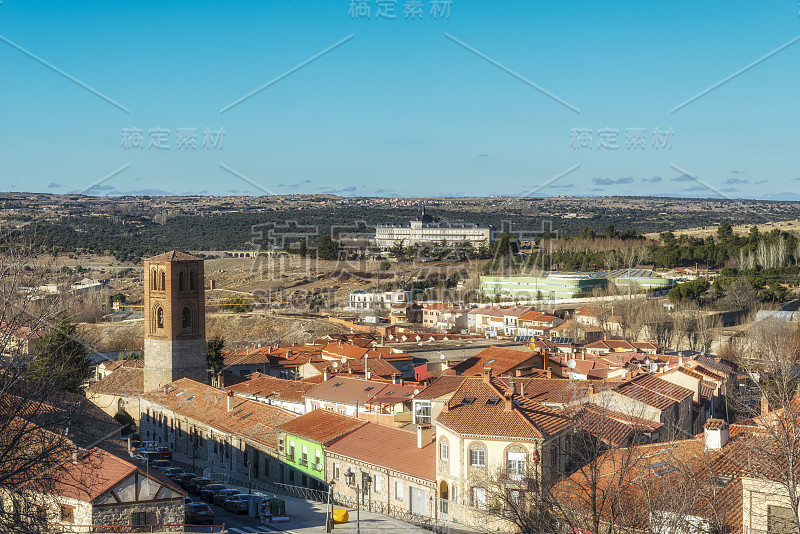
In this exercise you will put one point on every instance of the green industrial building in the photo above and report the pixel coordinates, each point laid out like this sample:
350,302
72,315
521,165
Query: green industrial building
570,284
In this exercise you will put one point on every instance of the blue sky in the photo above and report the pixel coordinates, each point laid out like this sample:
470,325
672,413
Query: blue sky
402,107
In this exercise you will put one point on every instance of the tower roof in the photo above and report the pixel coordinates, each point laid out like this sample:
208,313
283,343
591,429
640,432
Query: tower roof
174,255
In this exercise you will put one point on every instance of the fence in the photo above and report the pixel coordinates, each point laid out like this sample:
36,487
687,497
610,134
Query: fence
126,529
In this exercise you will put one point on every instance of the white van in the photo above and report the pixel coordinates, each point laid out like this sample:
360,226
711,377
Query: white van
147,446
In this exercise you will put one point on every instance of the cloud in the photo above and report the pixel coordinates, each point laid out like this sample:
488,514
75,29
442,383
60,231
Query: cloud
563,186
695,188
734,171
730,181
762,182
349,189
653,180
683,178
483,155
385,191
729,189
306,182
611,181
53,185
597,189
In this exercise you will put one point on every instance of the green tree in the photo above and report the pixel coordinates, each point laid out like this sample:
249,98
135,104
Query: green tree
214,357
237,305
61,359
328,249
725,232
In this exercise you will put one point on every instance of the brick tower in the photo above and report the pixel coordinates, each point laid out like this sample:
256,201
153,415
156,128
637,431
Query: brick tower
174,319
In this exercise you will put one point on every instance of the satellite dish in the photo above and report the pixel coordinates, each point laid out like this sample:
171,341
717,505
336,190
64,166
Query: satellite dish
343,359
441,356
335,365
653,367
571,363
416,392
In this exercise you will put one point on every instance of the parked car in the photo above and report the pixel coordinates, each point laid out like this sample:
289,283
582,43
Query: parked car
197,485
198,512
221,496
208,492
187,500
165,453
237,503
147,446
172,472
135,444
161,464
186,479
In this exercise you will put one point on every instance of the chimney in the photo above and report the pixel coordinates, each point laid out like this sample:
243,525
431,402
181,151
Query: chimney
220,380
487,374
583,354
396,379
716,434
326,375
590,390
509,400
522,388
549,372
765,407
424,435
231,401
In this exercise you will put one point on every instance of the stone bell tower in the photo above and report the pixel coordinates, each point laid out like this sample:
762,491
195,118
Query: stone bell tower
174,319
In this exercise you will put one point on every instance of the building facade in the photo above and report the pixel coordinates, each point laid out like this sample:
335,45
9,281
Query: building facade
430,231
174,314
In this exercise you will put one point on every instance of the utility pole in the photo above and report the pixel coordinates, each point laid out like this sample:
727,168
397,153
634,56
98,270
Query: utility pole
329,520
358,509
249,477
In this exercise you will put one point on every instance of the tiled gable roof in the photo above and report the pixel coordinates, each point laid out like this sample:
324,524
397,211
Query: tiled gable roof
321,426
249,419
526,420
261,385
500,359
174,255
444,385
346,390
124,382
398,450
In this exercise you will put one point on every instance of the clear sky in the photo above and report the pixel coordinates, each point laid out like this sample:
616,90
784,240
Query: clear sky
498,98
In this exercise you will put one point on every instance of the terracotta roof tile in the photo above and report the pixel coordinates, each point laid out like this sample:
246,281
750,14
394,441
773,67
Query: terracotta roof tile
501,360
261,385
321,426
398,450
252,420
124,382
174,255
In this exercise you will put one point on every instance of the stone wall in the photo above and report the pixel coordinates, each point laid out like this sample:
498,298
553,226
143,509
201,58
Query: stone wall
167,361
158,513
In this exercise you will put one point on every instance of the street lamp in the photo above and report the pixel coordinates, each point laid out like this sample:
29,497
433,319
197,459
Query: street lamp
329,520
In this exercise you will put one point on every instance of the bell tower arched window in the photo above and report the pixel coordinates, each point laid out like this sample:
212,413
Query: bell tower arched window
163,282
181,281
160,317
192,281
186,318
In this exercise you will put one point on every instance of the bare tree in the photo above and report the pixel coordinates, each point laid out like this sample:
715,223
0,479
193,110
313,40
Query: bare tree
768,354
38,421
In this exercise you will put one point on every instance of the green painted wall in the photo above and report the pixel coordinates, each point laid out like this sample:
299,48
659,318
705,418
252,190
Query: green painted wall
297,461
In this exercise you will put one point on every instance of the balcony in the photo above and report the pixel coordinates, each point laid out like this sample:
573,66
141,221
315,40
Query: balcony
303,462
290,457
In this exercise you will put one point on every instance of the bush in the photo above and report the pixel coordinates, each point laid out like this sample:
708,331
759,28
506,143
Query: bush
385,266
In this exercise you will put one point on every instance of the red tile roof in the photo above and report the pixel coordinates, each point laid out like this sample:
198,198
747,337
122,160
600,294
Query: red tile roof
97,472
261,385
501,360
174,255
346,390
321,426
251,420
124,382
526,419
397,451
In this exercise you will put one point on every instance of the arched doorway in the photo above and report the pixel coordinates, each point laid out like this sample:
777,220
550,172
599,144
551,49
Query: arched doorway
444,500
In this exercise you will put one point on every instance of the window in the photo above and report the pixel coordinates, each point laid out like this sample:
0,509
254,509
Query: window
163,282
67,514
317,461
444,452
398,490
492,401
304,460
291,475
422,413
41,513
516,463
336,471
477,457
478,498
780,520
454,493
160,317
468,400
138,518
187,318
181,282
192,281
378,483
